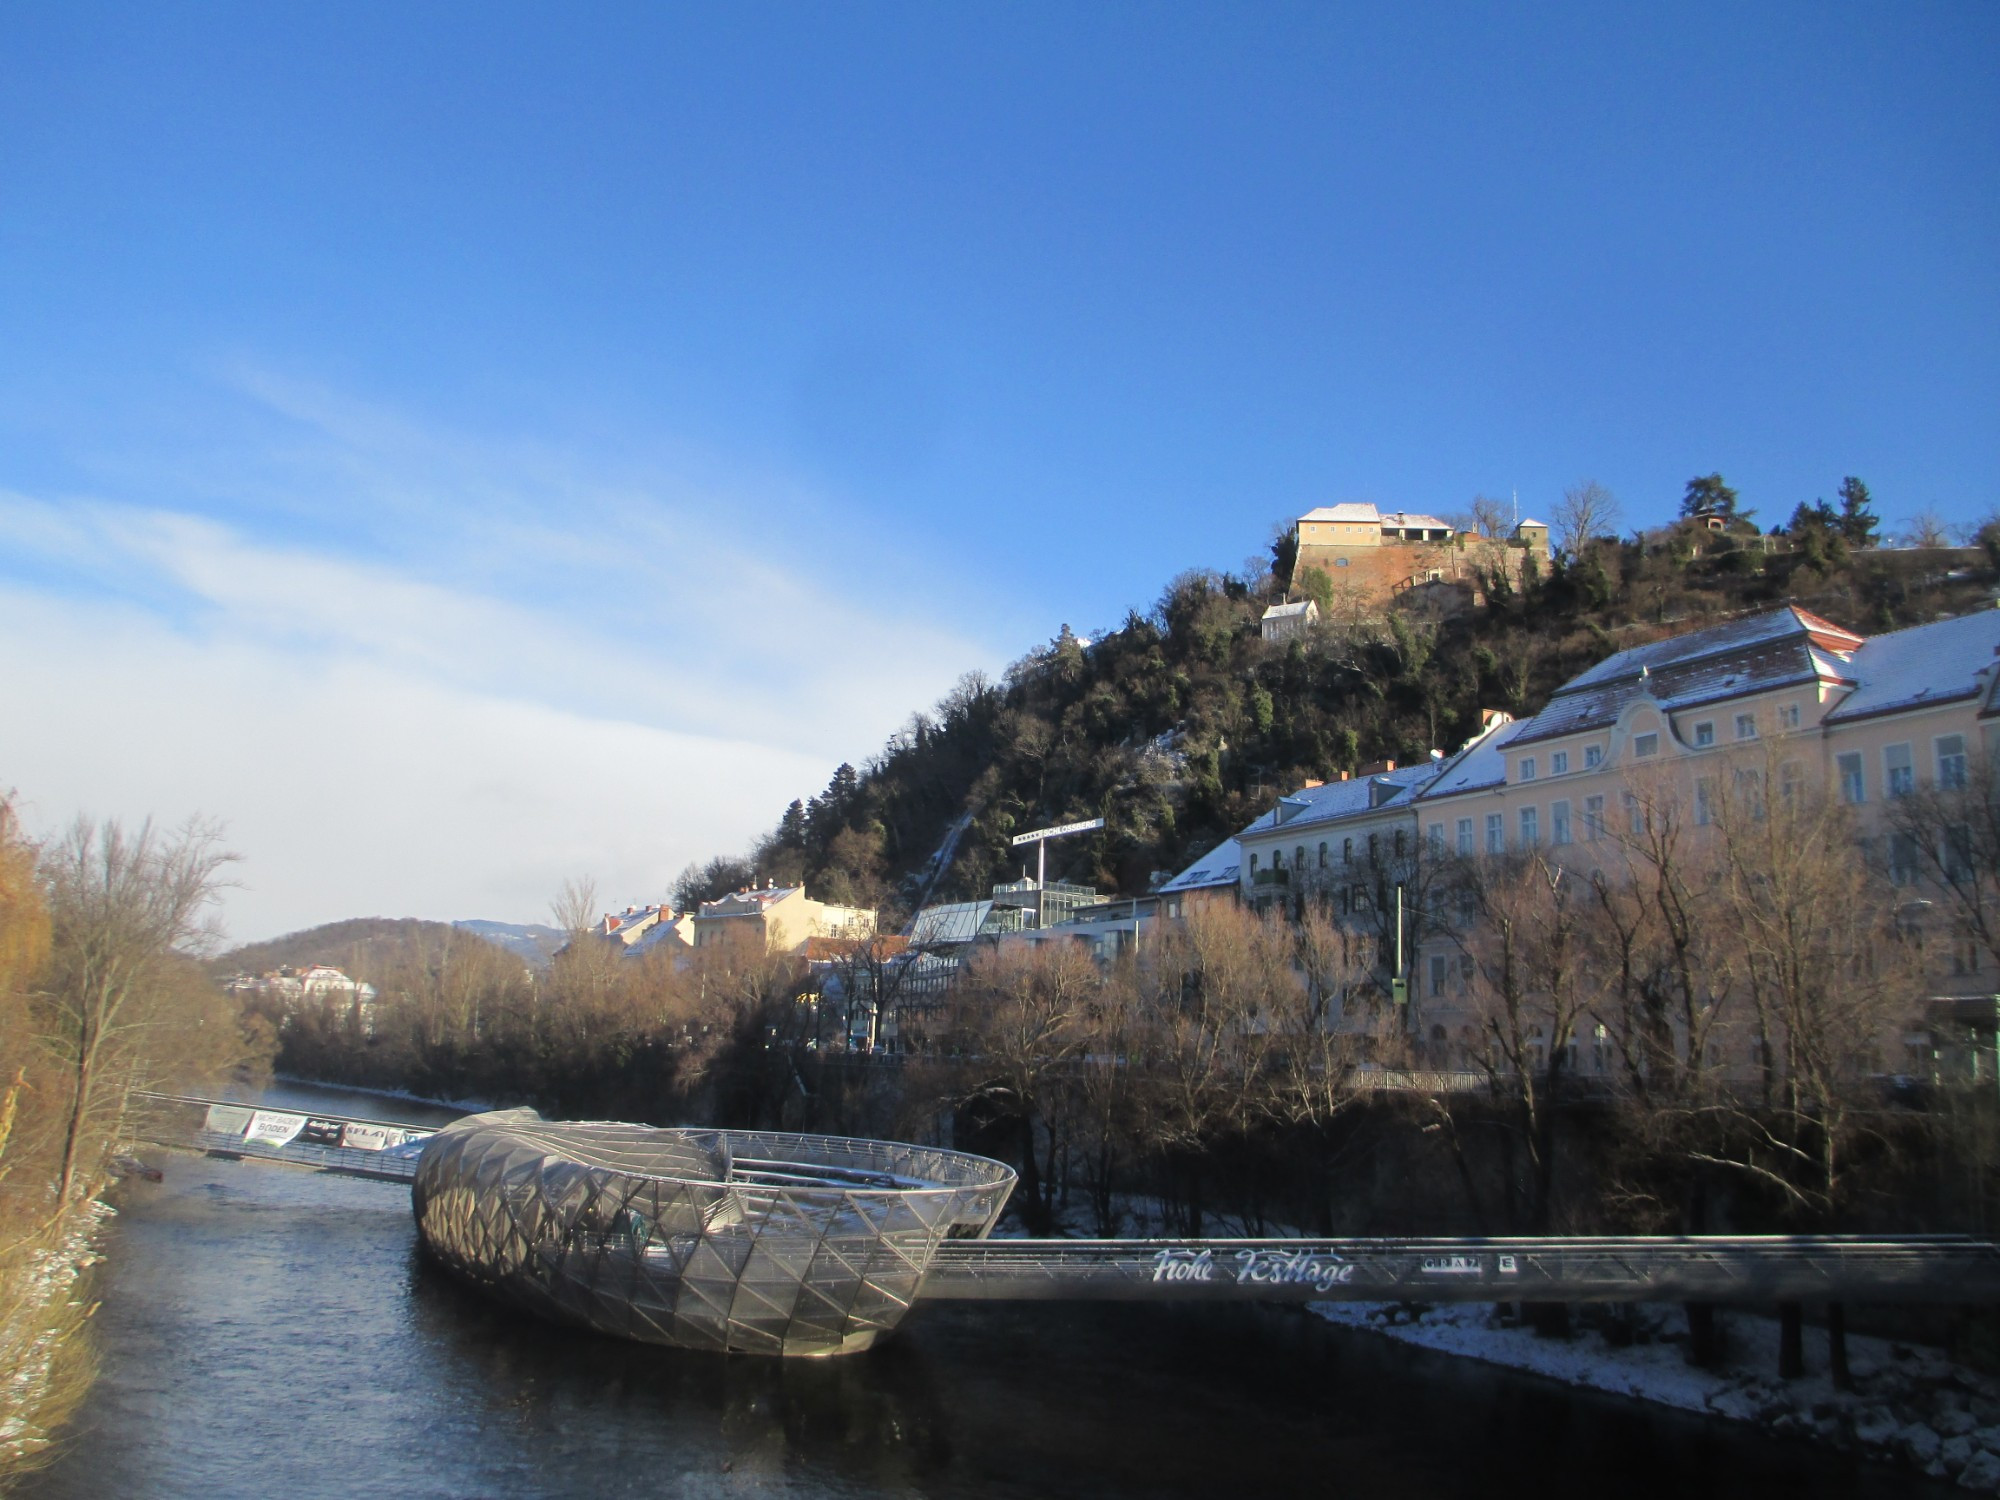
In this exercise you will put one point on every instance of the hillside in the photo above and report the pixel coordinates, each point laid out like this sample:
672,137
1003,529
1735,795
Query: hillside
362,947
1183,724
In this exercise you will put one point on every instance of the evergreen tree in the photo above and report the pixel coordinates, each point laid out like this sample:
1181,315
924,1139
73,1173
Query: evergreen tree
1857,521
1707,495
792,826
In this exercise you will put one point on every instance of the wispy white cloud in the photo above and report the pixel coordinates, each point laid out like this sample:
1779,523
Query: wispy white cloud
428,687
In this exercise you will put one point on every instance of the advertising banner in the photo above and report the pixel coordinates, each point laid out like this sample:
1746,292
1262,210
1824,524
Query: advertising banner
319,1132
359,1137
227,1119
268,1128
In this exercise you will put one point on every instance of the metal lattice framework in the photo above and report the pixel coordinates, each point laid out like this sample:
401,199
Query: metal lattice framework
749,1241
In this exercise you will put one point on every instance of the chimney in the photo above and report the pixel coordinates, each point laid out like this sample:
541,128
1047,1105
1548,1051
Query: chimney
1311,783
1343,776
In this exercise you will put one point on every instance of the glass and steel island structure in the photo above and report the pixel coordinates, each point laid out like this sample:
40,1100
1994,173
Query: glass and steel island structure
744,1241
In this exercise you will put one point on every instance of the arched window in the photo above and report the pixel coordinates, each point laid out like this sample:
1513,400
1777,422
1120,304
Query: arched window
1322,856
1277,859
1299,857
1347,851
1253,864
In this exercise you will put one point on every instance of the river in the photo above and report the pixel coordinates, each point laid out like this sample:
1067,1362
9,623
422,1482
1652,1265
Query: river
272,1332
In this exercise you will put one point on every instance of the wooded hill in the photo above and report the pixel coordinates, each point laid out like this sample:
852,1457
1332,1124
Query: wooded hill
366,948
1183,724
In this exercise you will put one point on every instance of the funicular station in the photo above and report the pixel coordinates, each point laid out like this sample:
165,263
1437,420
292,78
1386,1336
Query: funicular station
763,1242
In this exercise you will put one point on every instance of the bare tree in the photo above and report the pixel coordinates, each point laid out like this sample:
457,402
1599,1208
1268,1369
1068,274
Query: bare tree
1925,529
1948,832
1528,993
1586,511
1020,1019
127,911
1827,974
1487,517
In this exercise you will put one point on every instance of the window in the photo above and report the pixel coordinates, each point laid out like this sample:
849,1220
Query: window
1958,853
1437,838
1788,716
1704,802
1496,834
1746,726
1704,733
1465,836
1789,782
1340,562
1299,857
1559,763
1902,859
1277,859
1853,780
1437,975
1950,762
1531,827
1635,815
1899,775
1253,864
1527,768
1374,848
1559,822
1644,745
1593,818
1593,757
1322,856
1399,843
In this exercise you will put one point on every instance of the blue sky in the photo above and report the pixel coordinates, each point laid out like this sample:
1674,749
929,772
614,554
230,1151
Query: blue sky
477,446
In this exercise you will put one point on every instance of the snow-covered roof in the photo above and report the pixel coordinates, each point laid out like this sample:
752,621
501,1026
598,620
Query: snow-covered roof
1531,521
1291,611
1482,764
1358,511
1222,865
1937,663
1405,519
1335,800
1774,649
748,903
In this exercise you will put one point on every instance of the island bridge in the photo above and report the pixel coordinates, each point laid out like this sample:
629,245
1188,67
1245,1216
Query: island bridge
775,1243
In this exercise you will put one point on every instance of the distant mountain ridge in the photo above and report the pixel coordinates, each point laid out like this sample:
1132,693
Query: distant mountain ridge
361,947
534,941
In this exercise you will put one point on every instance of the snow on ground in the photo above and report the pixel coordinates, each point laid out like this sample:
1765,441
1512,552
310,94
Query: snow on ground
1910,1404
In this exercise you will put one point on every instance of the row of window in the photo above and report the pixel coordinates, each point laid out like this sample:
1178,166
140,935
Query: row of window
1645,746
1566,822
1899,773
1300,860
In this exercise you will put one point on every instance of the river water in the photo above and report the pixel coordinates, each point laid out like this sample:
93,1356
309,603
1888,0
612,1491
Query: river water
272,1332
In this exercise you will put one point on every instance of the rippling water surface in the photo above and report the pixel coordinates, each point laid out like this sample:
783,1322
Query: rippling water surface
272,1332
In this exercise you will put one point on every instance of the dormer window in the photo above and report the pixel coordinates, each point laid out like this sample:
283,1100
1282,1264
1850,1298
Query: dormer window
1527,768
1644,745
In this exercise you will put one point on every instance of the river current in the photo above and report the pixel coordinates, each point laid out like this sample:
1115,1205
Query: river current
272,1332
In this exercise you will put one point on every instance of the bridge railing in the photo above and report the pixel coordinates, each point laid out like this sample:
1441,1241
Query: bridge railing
382,1149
